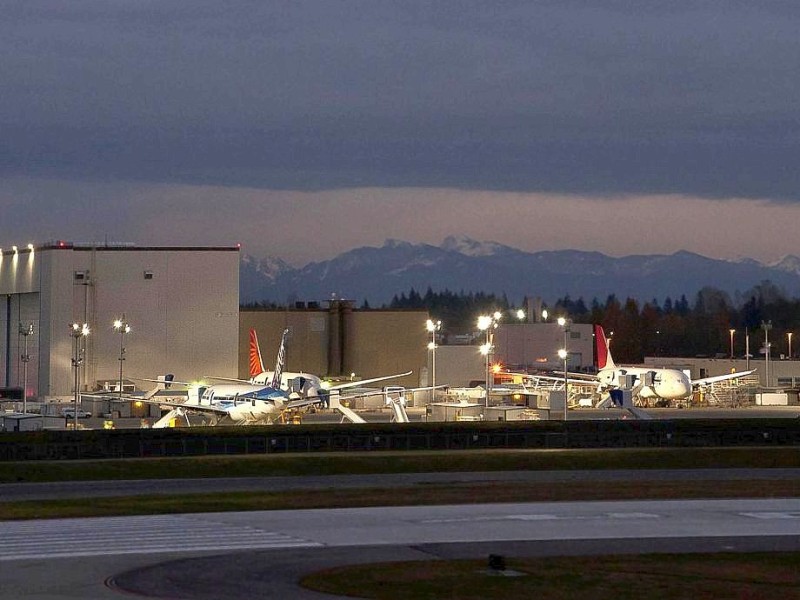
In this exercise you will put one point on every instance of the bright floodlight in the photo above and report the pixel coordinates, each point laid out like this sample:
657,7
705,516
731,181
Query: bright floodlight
561,321
78,329
562,354
485,349
484,322
498,315
520,314
117,324
545,314
431,346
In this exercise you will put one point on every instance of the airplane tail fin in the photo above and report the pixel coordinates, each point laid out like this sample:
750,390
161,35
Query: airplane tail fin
604,360
256,364
279,362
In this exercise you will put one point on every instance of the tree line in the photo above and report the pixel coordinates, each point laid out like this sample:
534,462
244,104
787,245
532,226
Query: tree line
674,327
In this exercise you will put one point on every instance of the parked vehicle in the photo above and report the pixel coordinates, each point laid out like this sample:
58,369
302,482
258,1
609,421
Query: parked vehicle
70,413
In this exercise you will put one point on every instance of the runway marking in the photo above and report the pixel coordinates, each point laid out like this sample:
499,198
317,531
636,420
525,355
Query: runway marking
133,535
545,517
772,515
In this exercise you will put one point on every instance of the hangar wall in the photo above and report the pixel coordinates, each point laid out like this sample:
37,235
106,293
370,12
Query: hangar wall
182,305
339,340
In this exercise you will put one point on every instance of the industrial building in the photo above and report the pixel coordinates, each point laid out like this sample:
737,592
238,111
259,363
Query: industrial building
178,308
534,346
340,341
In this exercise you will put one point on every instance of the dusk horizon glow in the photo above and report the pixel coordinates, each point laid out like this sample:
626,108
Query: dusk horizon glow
304,129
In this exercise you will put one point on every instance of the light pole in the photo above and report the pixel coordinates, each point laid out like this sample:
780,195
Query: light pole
564,353
766,326
123,327
789,335
78,332
747,348
433,327
485,350
732,332
25,330
485,324
488,323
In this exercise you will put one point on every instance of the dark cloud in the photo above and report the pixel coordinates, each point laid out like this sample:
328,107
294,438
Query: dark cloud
568,96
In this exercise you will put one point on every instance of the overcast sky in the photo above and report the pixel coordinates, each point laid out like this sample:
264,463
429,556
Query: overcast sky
304,128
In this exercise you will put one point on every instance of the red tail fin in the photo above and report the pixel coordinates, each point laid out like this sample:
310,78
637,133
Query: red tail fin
604,359
256,364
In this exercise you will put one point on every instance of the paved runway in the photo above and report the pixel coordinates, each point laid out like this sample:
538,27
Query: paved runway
72,558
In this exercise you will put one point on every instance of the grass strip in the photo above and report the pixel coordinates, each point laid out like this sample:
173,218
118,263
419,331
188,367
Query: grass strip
466,493
399,462
654,576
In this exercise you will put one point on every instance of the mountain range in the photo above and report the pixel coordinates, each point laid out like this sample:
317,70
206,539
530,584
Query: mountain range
376,274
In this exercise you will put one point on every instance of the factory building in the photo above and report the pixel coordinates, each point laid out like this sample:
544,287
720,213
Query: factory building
338,340
181,305
534,346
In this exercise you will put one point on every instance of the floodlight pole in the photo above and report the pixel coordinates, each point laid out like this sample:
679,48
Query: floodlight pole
766,326
25,331
565,323
78,332
123,327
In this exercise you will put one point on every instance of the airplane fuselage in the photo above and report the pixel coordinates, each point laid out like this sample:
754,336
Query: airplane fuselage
669,384
241,402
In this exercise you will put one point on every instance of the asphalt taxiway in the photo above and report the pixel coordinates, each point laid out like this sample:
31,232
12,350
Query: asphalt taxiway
262,554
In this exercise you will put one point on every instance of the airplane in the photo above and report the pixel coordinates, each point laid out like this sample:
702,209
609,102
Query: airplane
239,403
296,384
648,382
644,382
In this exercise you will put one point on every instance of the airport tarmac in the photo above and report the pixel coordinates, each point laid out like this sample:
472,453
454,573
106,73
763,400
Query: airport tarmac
262,554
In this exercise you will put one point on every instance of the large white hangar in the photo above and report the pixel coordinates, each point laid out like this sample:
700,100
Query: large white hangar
180,305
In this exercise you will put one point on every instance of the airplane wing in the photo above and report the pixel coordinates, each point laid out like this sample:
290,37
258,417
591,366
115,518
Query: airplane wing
581,379
216,410
302,403
363,382
717,378
217,378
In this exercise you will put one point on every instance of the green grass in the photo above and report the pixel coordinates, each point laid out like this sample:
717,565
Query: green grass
654,576
397,462
452,493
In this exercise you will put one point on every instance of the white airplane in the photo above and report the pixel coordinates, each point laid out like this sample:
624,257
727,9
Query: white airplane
296,384
648,382
239,403
644,382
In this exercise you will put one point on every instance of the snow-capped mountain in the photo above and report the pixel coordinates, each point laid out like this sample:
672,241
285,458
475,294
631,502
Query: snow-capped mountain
464,264
789,263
